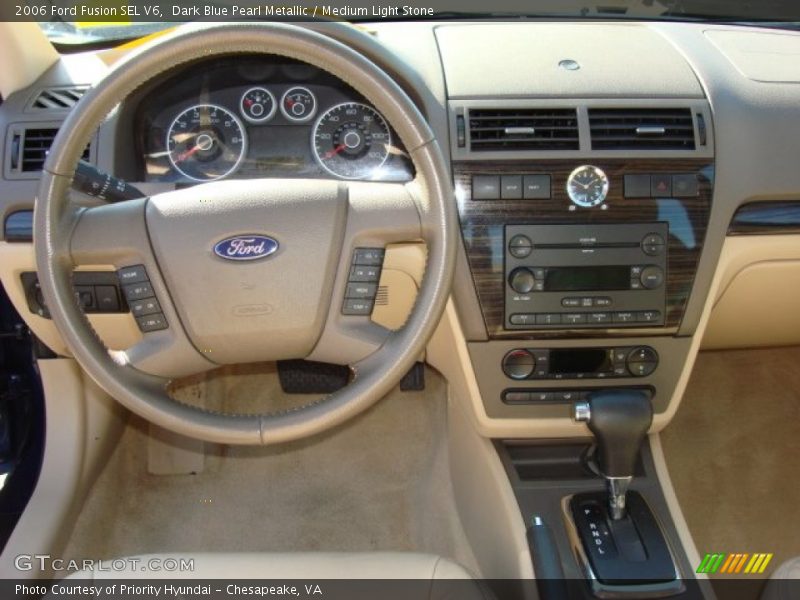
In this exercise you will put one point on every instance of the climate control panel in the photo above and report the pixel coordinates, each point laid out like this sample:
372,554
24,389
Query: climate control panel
523,364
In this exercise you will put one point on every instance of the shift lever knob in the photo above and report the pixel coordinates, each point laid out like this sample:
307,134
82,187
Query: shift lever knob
619,420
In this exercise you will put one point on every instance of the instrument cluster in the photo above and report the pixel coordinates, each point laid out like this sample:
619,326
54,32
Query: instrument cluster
253,117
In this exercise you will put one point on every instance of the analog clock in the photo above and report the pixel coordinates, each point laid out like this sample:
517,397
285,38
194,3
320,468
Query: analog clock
587,186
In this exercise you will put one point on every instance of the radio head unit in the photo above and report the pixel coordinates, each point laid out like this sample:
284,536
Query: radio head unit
578,276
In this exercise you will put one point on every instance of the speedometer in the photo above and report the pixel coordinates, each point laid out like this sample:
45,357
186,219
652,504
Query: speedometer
206,142
351,141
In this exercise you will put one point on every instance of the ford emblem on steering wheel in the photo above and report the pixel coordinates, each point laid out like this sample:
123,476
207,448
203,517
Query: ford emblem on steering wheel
246,247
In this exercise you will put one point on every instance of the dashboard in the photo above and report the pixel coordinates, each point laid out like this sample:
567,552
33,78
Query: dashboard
253,117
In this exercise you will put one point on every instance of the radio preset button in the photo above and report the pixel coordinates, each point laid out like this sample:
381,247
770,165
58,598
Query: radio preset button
520,246
596,318
573,318
649,316
652,277
523,319
519,364
548,319
624,317
521,280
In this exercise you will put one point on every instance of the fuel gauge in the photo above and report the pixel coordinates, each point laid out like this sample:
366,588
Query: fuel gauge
258,105
298,104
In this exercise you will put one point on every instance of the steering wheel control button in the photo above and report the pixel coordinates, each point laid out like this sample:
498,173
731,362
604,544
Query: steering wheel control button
368,256
134,274
363,273
485,187
155,322
138,291
653,244
85,297
520,246
637,186
642,361
519,364
356,306
522,280
361,290
652,277
148,306
107,299
536,187
362,284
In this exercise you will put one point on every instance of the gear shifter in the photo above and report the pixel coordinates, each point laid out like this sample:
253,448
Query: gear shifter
619,420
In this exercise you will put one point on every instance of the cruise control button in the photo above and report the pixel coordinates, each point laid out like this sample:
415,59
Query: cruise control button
137,291
354,307
154,322
134,274
147,306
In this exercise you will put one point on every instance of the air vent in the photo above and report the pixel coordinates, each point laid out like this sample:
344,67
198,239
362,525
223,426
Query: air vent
63,98
523,129
641,128
29,148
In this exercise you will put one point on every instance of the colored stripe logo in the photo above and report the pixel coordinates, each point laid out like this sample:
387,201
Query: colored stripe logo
736,563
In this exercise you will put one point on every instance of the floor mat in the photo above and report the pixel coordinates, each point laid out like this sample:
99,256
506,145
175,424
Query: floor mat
379,482
732,452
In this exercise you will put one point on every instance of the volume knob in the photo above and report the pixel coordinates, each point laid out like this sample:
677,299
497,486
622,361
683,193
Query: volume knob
521,280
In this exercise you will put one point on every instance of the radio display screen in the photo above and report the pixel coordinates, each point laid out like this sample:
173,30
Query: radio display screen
587,279
580,360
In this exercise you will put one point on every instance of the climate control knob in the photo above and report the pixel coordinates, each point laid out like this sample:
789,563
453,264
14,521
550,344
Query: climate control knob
521,280
519,364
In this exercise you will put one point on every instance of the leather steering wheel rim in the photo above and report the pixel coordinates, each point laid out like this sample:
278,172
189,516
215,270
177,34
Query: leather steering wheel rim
55,219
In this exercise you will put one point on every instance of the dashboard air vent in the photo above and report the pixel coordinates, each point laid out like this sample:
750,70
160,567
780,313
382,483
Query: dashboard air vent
641,128
62,98
29,148
510,129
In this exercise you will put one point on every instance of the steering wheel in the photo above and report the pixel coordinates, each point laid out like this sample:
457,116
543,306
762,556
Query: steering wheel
219,312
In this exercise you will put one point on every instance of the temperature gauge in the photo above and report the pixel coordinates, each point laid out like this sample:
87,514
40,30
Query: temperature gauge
298,104
258,105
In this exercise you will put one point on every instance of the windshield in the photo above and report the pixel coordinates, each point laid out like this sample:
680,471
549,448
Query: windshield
135,19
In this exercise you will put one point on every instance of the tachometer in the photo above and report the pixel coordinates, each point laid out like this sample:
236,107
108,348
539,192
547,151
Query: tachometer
351,141
206,142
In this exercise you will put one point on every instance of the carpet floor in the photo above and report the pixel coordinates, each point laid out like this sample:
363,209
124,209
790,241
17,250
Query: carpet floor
733,452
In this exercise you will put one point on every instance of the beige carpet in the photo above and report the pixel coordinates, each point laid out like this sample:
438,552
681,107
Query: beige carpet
733,452
380,482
